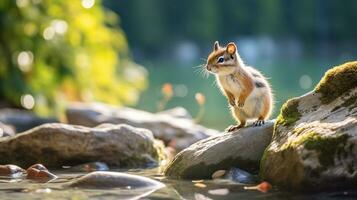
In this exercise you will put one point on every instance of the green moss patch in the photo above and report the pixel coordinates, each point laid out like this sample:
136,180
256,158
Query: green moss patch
337,81
326,146
289,113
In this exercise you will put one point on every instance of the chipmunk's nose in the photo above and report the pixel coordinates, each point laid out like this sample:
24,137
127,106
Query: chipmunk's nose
208,67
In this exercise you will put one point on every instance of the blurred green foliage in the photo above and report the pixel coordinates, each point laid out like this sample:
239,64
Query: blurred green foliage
59,51
204,21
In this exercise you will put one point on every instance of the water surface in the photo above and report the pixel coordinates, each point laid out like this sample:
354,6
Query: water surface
175,189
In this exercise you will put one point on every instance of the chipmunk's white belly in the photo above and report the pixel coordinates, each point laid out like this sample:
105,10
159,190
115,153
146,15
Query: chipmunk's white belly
254,102
232,85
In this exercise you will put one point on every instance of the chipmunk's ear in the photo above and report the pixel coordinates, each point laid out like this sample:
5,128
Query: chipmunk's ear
231,48
216,46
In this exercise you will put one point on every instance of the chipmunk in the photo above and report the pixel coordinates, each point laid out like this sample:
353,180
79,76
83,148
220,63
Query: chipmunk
247,90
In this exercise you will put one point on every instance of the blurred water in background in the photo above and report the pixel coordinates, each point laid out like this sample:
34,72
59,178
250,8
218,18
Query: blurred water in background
291,42
291,72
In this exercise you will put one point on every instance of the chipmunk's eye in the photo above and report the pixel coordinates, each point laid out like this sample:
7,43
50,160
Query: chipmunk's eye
220,59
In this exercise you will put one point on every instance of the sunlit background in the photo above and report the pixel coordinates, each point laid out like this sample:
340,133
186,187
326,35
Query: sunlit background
123,52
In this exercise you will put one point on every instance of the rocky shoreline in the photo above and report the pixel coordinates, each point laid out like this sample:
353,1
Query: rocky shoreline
311,143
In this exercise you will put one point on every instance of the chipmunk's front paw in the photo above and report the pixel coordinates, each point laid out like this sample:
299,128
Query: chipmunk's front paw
232,102
240,104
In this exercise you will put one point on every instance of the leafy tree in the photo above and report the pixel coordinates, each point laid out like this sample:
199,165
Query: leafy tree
55,51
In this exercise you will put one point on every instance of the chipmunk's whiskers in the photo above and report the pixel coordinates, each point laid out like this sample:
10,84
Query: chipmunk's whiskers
201,70
203,59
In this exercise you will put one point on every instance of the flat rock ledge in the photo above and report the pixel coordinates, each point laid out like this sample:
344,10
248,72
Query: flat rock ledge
242,149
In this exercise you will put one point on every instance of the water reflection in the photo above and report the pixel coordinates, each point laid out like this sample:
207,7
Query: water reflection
175,189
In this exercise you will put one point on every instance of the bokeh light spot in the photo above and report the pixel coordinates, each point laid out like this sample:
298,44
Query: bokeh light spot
27,101
49,33
24,60
180,90
60,26
22,3
305,82
82,60
88,3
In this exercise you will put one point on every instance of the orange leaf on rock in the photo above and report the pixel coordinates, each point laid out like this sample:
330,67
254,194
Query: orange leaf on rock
262,187
200,185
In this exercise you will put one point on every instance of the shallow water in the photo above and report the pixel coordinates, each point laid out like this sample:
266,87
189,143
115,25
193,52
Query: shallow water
175,189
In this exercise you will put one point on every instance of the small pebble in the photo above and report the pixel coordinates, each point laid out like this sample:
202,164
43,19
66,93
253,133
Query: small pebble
218,174
33,173
222,192
91,167
241,176
11,170
199,196
39,167
44,190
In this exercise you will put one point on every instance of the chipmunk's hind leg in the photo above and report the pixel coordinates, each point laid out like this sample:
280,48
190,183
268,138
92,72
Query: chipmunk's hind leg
239,116
265,112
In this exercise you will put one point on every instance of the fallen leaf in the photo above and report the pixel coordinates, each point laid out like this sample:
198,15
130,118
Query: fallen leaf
222,191
218,174
200,185
262,187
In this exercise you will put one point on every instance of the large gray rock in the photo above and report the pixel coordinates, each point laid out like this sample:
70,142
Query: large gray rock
55,145
173,127
315,139
22,120
119,185
114,180
178,112
242,149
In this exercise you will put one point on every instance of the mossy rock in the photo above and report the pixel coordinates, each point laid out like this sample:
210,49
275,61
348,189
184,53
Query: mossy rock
315,135
289,113
337,81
